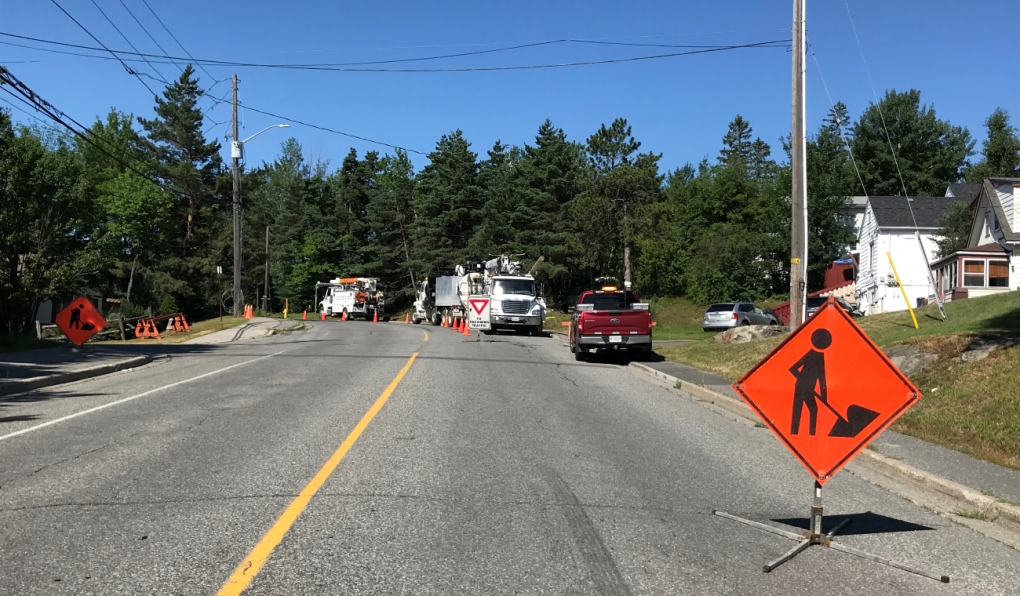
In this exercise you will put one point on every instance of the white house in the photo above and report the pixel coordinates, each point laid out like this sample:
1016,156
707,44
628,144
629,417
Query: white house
891,225
989,263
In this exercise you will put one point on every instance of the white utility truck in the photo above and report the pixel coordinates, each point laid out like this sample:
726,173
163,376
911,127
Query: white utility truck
496,291
352,298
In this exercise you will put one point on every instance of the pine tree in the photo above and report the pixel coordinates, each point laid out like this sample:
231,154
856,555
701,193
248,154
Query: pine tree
447,205
1000,150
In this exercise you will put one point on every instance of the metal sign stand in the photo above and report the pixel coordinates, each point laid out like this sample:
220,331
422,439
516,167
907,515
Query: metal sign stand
815,536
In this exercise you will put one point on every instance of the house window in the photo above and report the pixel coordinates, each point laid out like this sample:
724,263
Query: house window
998,274
973,274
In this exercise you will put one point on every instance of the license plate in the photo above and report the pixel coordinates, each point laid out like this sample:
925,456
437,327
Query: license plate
616,339
515,319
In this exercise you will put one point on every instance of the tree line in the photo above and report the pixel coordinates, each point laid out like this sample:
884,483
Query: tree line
141,210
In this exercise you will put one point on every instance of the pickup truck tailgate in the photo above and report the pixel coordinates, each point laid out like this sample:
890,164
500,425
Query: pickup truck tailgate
616,322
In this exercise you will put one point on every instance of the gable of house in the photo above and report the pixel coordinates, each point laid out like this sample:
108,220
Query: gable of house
993,211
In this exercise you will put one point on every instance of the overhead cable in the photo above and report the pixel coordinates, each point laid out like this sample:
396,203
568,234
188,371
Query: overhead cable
130,70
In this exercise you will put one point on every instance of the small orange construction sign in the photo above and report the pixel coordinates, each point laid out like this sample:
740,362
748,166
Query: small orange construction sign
827,391
79,321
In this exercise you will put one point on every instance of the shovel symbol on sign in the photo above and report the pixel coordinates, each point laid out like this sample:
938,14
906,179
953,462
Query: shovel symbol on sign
811,389
857,419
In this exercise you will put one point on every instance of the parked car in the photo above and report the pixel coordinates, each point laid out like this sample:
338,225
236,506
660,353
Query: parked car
816,302
726,315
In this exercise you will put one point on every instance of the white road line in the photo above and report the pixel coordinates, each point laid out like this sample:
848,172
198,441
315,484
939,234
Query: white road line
133,397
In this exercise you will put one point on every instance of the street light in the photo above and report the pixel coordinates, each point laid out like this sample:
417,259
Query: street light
236,151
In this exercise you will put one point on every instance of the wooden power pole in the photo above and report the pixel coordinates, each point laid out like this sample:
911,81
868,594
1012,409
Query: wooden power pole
235,154
798,196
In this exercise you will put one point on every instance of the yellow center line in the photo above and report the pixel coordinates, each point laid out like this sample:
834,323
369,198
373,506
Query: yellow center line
426,335
249,568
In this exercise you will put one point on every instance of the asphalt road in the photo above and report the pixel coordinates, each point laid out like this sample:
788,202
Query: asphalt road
491,467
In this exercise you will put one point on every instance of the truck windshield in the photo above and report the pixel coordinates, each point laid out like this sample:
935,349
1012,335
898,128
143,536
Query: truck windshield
522,287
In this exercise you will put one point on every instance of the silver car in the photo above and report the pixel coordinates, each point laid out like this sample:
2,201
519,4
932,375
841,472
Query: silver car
736,314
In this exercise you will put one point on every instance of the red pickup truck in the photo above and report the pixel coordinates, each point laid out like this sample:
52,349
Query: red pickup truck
611,319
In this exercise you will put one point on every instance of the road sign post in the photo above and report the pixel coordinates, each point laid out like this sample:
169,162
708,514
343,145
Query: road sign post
826,392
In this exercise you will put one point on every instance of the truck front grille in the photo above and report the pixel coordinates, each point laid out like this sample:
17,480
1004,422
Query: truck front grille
515,307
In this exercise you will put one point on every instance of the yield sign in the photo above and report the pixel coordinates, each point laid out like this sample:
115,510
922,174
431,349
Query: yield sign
479,304
80,320
827,391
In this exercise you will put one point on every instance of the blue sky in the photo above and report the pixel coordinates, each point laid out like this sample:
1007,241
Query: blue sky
963,56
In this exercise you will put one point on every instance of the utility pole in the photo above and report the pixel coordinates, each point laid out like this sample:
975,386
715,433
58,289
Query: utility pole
265,295
235,154
798,196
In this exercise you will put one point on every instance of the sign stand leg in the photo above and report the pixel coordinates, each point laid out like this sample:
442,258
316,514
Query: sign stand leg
815,536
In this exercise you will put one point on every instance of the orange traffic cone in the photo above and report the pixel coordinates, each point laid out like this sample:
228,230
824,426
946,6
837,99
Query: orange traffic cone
375,316
322,315
466,329
304,315
444,321
343,316
407,319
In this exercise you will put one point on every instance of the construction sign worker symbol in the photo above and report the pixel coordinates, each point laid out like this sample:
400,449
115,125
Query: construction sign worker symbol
811,389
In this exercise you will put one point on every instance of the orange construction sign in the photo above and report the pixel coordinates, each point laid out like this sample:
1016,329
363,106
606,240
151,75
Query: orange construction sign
79,321
827,391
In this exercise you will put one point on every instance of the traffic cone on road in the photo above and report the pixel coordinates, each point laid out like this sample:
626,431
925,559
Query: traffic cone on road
343,316
322,315
375,316
457,324
407,319
304,315
444,321
466,329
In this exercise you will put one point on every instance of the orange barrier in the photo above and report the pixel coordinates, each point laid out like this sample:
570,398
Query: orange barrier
146,328
180,324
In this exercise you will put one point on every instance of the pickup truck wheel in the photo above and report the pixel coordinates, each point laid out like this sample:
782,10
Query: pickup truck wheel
645,355
580,354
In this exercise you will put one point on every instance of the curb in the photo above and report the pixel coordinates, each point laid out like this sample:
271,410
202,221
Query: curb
959,496
11,387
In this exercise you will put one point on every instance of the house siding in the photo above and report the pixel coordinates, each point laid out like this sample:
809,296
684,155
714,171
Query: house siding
882,294
1005,192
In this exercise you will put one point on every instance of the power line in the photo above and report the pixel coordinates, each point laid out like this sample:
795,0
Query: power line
338,132
839,128
147,32
344,66
23,111
124,64
179,44
34,100
159,75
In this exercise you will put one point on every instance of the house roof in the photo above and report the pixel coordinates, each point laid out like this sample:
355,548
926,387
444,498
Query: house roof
985,249
895,212
968,192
